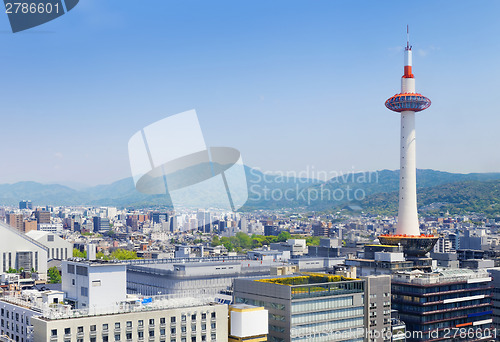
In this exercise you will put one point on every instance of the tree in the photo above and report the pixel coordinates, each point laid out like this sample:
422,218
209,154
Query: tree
123,254
54,275
78,254
283,236
12,270
244,241
256,243
215,241
101,256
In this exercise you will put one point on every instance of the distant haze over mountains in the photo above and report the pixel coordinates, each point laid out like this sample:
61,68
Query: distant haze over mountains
372,191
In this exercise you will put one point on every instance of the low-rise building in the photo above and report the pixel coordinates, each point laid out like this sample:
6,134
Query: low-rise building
57,247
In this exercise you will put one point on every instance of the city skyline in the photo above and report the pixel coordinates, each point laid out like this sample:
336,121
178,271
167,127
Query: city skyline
291,86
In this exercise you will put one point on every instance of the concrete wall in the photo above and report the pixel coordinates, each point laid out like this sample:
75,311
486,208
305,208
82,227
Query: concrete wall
12,242
58,248
104,284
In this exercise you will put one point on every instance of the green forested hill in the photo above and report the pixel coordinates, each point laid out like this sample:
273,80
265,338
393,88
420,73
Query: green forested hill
457,198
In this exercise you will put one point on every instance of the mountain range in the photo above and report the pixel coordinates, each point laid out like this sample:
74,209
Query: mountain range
373,191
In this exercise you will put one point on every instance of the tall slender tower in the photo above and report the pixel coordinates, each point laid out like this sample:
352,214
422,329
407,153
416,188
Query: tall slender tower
407,103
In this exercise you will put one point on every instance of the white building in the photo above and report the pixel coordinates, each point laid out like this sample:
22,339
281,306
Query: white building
94,285
20,251
32,317
15,321
58,248
55,228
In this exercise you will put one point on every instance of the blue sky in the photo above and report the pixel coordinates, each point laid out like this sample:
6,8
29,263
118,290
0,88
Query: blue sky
291,84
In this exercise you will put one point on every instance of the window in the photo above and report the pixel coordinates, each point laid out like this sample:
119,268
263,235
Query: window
104,327
79,340
151,333
92,328
117,325
129,324
67,331
71,269
80,330
162,332
81,270
73,282
96,283
183,317
193,339
203,327
212,325
129,336
105,338
193,317
84,291
193,327
53,332
141,323
213,337
172,319
151,321
172,331
183,329
162,320
117,337
213,315
93,339
203,316
140,334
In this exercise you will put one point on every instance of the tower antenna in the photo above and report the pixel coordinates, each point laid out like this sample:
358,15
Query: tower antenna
408,47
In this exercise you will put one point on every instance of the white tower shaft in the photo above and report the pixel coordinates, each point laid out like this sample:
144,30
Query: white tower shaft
407,215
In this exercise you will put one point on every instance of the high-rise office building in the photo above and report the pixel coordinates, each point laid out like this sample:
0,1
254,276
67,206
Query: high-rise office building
30,225
42,216
25,205
435,306
16,221
495,274
308,307
158,217
101,224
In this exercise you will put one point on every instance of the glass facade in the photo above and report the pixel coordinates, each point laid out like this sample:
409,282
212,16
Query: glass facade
314,312
413,102
322,304
437,308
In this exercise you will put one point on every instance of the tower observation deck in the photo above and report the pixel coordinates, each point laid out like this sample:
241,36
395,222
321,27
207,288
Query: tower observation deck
407,103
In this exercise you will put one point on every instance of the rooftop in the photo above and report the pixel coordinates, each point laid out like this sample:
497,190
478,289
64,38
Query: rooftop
306,278
132,304
442,277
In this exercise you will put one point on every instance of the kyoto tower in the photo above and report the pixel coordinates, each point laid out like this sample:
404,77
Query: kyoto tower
407,103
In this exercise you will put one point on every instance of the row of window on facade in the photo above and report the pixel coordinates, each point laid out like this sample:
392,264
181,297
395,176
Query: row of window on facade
140,324
17,316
